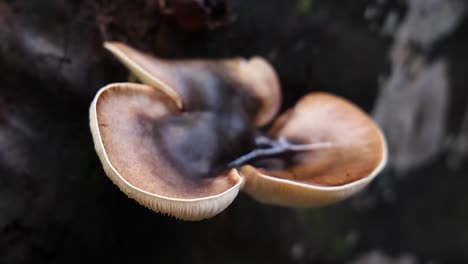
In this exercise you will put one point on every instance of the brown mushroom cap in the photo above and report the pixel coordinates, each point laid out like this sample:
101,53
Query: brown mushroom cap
124,119
352,150
195,84
168,145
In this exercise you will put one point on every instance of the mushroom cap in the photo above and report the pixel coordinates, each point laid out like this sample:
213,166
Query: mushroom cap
124,119
188,82
153,143
353,152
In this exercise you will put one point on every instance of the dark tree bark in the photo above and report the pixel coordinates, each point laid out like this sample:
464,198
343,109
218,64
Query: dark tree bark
57,205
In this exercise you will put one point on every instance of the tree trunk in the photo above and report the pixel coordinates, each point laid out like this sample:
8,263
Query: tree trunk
57,205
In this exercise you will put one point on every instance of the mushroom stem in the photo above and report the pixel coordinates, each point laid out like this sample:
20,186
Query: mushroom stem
268,147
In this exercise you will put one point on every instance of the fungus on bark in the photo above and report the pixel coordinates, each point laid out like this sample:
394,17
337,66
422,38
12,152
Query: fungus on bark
187,140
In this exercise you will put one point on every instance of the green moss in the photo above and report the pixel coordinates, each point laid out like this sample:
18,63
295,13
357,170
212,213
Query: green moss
304,6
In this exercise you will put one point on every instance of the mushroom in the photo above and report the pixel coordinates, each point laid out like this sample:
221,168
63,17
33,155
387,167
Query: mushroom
123,118
187,140
346,152
196,82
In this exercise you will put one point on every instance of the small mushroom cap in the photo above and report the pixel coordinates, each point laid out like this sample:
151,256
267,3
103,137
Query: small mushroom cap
350,151
195,84
260,79
123,119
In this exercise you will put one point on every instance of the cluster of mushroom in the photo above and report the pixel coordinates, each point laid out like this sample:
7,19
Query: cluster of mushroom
195,133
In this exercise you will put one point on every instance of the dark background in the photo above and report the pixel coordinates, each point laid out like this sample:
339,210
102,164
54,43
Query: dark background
404,62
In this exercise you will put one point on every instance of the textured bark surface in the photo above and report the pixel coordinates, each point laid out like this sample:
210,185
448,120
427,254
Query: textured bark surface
57,206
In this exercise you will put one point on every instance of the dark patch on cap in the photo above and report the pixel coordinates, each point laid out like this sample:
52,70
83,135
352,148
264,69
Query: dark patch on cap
202,143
